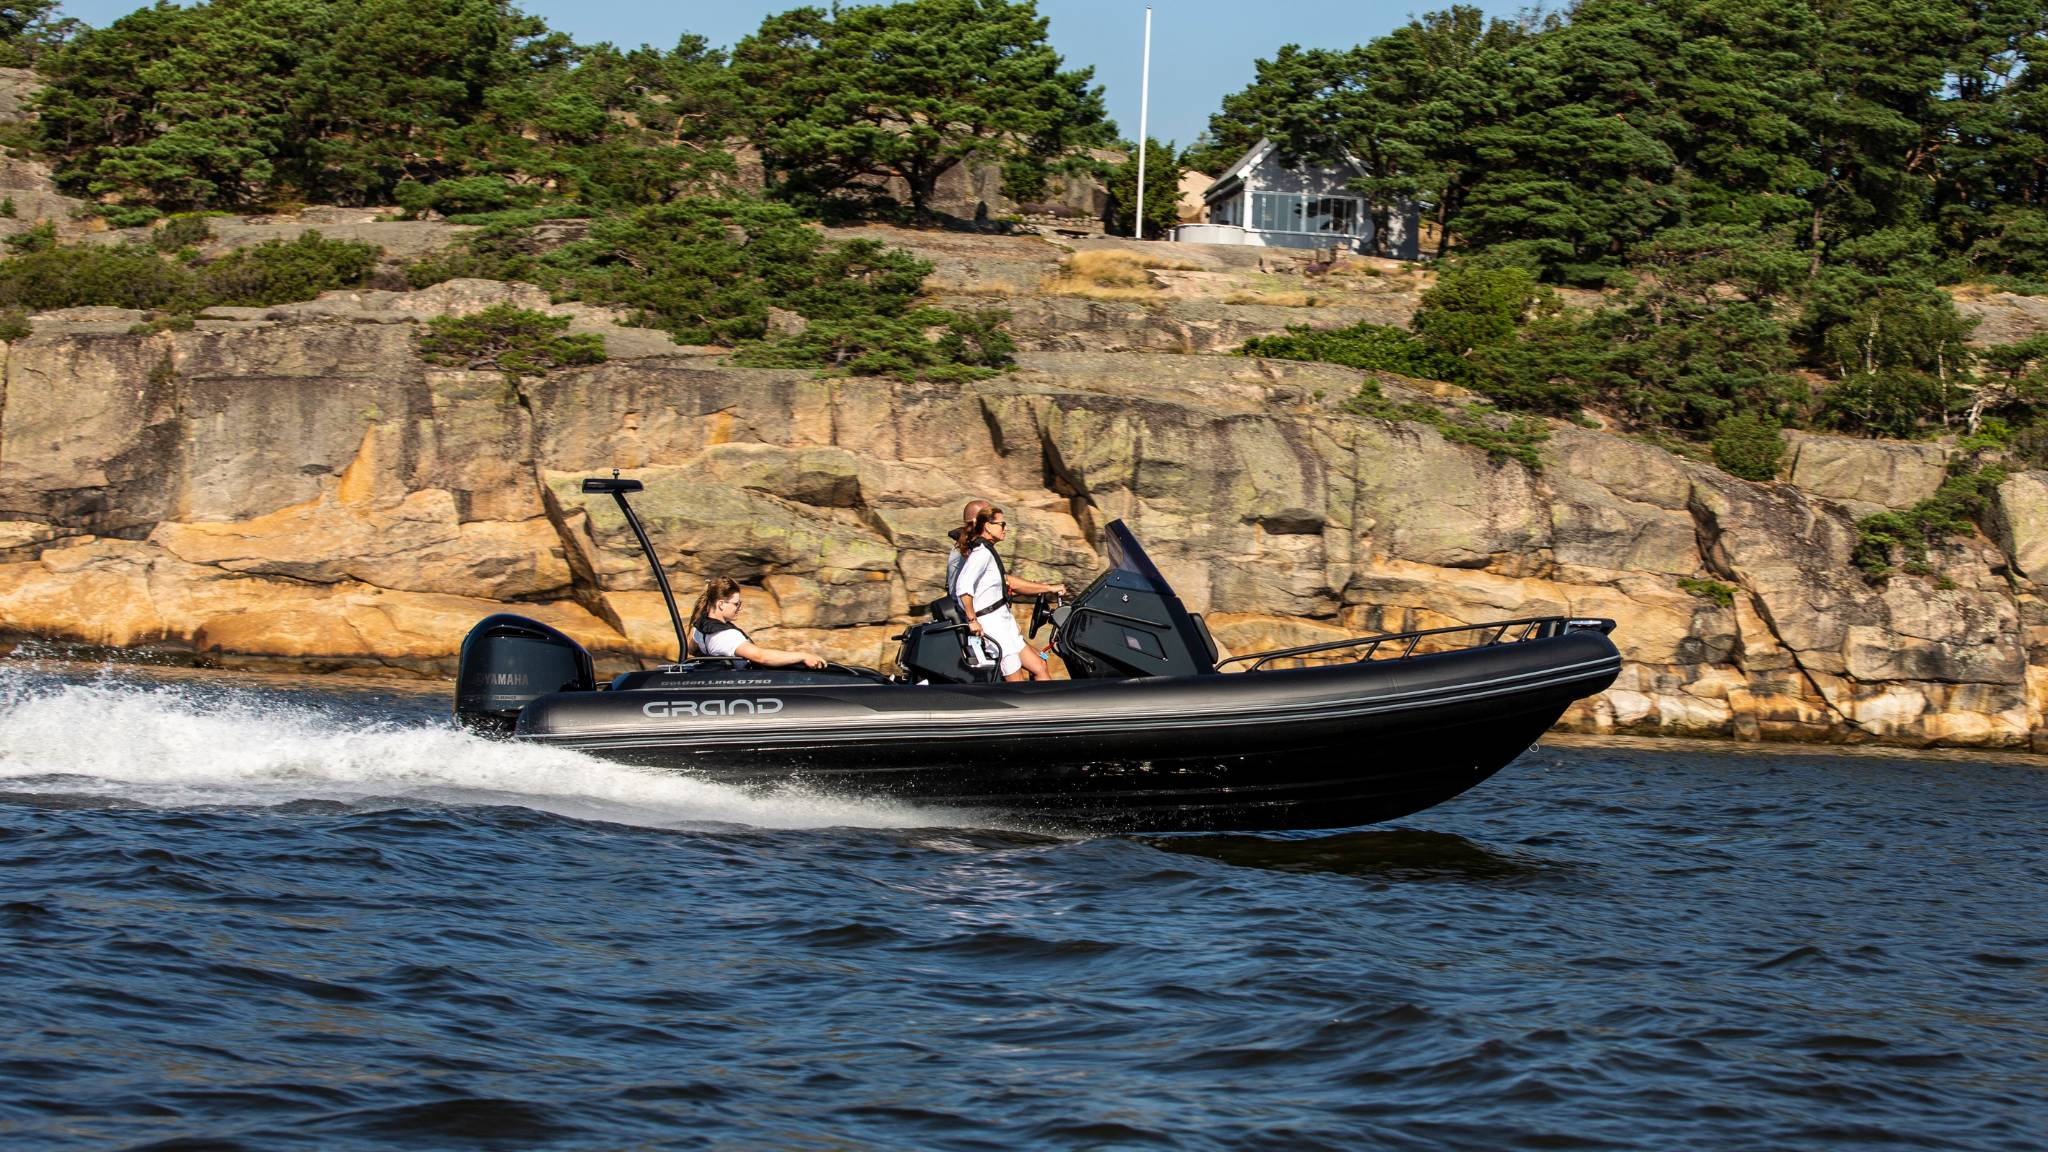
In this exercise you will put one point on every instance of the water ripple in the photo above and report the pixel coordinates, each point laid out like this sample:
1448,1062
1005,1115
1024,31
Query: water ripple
283,928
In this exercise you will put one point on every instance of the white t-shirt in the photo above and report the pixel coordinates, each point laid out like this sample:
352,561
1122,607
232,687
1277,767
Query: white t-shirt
724,642
953,558
979,578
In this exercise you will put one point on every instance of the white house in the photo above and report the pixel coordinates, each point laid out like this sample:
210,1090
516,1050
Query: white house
1259,201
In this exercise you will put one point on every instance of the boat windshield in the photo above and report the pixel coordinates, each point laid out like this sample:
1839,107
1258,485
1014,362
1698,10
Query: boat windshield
1127,555
1129,618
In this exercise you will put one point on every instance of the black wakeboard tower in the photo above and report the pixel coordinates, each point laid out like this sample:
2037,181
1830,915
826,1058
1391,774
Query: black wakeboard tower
1153,730
593,485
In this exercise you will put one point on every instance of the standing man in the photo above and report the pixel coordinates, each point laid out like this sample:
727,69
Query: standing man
954,558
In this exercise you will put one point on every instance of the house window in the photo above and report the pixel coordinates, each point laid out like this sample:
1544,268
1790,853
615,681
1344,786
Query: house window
1276,211
1287,212
1230,211
1337,214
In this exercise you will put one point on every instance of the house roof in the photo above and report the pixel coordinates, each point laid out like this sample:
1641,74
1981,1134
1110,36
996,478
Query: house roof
1235,172
1238,169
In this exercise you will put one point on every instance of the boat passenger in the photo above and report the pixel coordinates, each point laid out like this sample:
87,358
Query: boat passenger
954,555
983,589
712,632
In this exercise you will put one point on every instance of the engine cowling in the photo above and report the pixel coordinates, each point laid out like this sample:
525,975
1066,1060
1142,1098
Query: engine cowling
507,663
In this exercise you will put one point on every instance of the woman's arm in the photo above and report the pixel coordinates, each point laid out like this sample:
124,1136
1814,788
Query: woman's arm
1023,587
967,607
777,657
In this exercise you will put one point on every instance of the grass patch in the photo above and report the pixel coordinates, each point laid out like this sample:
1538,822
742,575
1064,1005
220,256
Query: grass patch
164,322
1110,274
1990,285
1723,595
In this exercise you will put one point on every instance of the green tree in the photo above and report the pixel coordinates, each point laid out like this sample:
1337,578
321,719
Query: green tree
910,91
1448,73
2013,386
30,29
180,107
403,89
1579,167
1162,192
245,103
1291,100
709,270
1875,124
277,271
515,341
121,276
1704,331
1373,347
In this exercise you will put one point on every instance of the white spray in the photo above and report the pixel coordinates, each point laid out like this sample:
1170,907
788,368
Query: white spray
177,745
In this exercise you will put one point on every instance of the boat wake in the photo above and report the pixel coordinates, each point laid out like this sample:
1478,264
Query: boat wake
116,740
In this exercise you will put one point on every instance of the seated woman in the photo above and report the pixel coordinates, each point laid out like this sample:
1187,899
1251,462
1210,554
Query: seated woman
983,588
712,632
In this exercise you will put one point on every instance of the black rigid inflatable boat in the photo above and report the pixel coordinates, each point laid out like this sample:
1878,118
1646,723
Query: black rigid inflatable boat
1152,733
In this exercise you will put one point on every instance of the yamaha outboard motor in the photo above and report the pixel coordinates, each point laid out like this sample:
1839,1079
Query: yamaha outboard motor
507,663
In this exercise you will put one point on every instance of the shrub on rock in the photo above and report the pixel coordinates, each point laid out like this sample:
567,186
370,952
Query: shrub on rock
1749,447
518,342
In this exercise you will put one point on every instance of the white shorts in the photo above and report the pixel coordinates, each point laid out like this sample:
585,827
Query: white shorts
1001,627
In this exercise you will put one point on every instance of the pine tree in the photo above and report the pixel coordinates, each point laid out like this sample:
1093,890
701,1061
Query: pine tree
909,90
1580,166
1162,192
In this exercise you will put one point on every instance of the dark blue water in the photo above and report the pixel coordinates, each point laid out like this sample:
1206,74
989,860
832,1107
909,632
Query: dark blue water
236,917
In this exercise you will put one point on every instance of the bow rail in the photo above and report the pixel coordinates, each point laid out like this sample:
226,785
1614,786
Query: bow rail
1485,636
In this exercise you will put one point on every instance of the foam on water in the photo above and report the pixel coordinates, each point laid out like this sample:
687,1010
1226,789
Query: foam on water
185,746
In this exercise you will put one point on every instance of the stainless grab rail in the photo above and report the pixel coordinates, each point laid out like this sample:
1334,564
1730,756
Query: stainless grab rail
1530,628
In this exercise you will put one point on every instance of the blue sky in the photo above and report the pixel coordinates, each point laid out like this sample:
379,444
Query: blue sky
1202,50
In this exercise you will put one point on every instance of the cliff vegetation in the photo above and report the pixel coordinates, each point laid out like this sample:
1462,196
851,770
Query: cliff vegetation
1801,463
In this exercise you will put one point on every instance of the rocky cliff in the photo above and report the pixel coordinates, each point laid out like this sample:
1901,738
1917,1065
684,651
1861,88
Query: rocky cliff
294,485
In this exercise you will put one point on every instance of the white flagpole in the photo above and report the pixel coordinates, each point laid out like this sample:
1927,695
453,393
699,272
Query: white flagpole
1144,105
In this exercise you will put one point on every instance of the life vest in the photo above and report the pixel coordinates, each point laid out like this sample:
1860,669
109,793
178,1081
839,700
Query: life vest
709,628
1002,580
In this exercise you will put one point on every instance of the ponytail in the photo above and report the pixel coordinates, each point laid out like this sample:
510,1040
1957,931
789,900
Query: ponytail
971,535
715,590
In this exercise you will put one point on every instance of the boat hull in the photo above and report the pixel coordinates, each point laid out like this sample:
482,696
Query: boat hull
1327,747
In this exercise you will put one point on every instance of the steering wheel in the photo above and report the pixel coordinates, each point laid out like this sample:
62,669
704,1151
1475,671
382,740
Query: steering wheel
1041,611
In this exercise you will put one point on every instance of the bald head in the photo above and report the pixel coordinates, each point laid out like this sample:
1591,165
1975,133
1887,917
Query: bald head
974,508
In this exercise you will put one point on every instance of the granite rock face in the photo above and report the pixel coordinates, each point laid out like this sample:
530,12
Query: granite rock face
295,486
1865,475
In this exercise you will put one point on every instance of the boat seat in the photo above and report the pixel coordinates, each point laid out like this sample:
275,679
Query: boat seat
946,610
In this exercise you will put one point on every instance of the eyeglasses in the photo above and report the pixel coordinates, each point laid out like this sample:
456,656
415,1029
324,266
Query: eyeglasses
998,523
732,600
